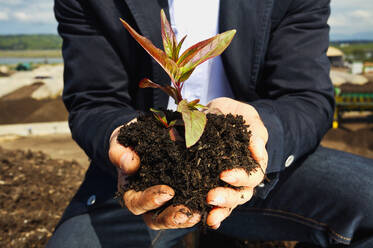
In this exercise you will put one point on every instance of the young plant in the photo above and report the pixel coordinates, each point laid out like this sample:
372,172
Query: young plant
179,69
161,117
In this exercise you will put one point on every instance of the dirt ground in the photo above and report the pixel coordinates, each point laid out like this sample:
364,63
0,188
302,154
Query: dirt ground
40,174
19,107
34,189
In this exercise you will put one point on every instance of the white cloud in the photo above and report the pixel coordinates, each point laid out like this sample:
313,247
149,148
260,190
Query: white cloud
29,17
11,2
351,5
4,16
21,16
351,17
30,11
362,14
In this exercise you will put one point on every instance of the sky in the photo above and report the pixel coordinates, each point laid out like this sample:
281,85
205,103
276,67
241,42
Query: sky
350,19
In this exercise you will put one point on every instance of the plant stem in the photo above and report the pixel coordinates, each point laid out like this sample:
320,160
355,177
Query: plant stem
179,88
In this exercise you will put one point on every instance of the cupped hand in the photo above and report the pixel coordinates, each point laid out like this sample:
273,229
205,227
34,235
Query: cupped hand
144,202
225,199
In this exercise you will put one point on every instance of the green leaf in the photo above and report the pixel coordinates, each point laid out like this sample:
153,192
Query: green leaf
176,122
172,123
169,90
168,37
204,50
160,56
161,116
195,105
194,122
184,76
170,45
200,106
179,47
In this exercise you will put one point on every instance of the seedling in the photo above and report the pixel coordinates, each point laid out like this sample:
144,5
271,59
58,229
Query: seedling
161,117
179,69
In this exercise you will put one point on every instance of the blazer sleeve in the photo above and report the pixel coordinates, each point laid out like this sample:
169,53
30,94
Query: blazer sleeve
96,85
297,101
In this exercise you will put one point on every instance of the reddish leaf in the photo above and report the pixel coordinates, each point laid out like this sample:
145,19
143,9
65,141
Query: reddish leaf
204,50
172,92
193,103
174,134
160,116
194,122
168,37
160,56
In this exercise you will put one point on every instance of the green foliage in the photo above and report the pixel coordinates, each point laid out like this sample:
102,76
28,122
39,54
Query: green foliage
359,51
30,42
194,121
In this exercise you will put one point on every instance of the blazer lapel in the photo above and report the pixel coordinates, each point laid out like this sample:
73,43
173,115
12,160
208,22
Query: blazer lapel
242,59
147,16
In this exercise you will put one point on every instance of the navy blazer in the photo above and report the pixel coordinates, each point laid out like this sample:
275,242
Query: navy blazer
277,63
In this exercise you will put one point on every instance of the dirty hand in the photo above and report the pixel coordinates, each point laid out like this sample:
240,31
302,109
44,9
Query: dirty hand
143,202
225,199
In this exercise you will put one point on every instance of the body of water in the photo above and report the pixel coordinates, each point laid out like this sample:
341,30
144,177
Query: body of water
14,61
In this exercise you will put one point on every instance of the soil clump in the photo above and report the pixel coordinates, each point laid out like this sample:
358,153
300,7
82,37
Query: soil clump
190,172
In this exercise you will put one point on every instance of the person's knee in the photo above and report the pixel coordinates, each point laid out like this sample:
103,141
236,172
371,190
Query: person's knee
75,232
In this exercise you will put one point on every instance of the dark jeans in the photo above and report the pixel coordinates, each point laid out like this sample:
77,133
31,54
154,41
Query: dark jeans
326,199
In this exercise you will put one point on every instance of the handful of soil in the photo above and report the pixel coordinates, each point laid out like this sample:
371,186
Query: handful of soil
191,172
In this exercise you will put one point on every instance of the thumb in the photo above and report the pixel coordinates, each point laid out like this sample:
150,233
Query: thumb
123,157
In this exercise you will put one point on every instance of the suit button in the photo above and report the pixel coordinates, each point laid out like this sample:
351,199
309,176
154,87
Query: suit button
261,185
91,200
289,160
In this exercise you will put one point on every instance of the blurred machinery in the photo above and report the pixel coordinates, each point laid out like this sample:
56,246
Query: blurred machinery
351,97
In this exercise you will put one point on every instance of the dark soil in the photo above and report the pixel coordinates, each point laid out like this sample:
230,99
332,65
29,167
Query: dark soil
356,88
23,92
34,191
190,172
359,142
30,110
18,107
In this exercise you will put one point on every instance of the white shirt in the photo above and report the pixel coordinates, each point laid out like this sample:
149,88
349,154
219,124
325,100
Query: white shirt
208,81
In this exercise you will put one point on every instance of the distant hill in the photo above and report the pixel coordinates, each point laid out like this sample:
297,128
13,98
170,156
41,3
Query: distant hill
352,36
338,42
30,42
356,50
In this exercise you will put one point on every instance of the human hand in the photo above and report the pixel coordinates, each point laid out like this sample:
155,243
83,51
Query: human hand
225,199
143,202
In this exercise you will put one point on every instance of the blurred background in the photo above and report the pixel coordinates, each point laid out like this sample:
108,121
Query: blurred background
40,165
